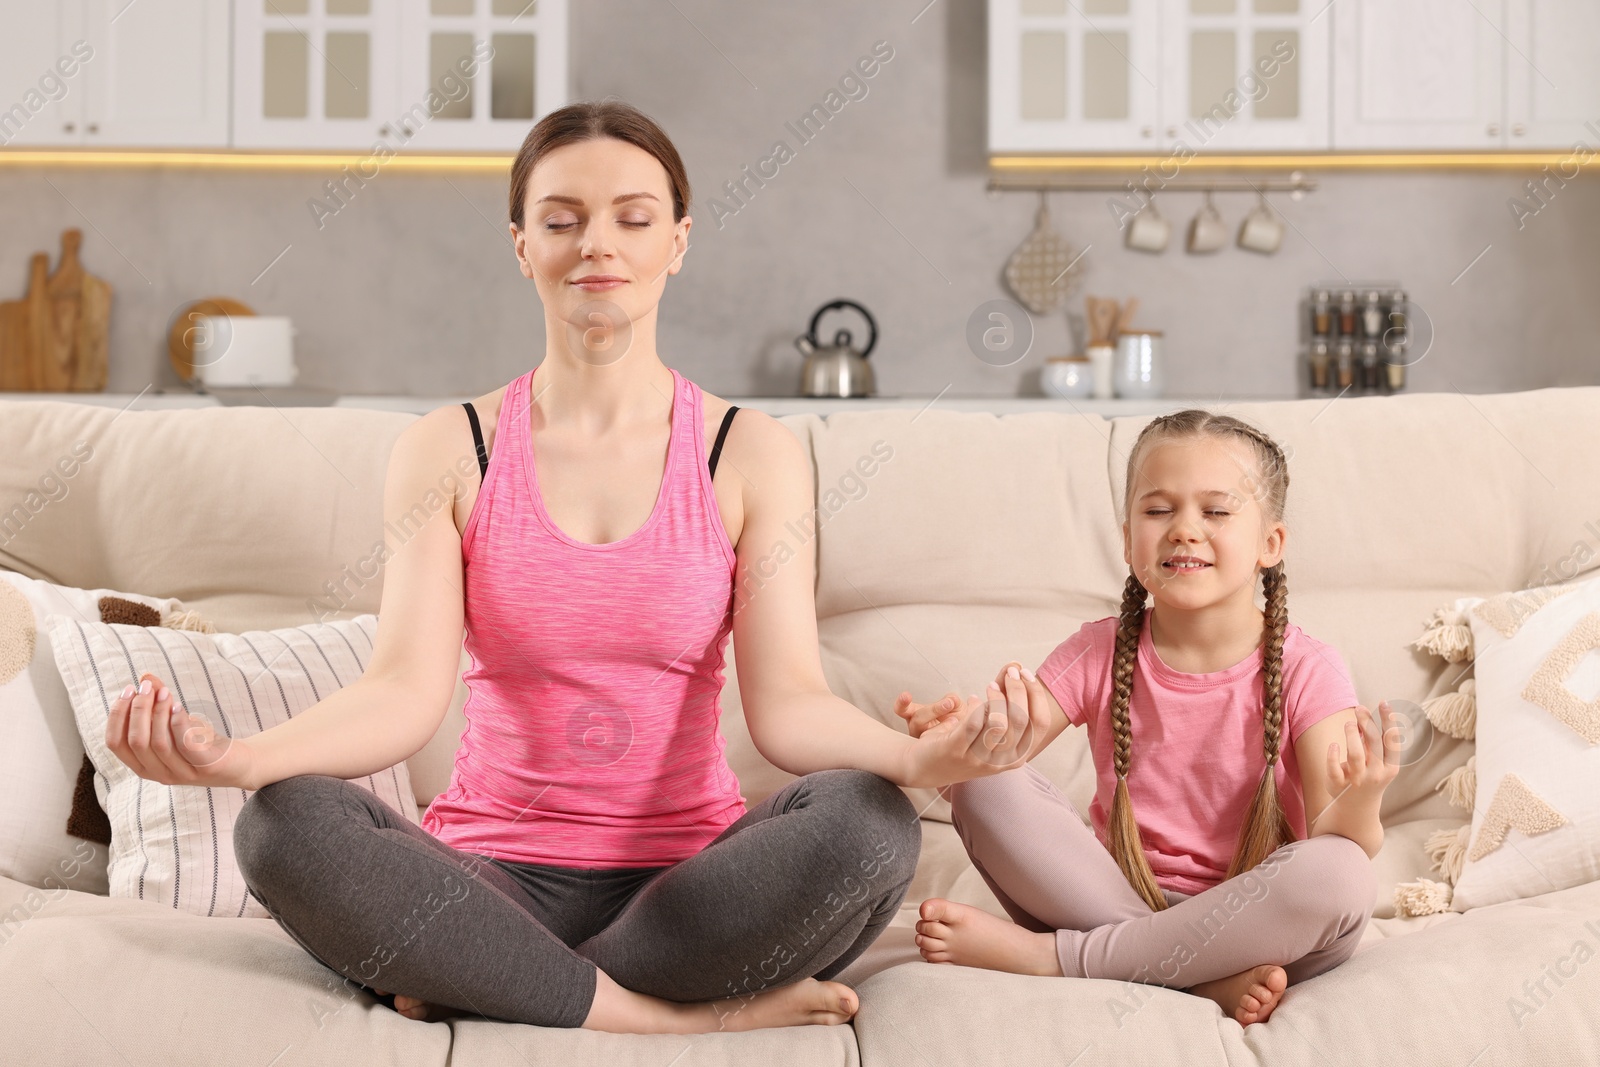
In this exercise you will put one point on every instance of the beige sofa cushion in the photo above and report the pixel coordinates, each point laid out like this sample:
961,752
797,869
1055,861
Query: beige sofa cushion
110,981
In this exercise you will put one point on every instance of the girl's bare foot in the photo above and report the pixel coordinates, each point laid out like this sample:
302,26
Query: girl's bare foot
1249,996
959,933
806,1002
420,1010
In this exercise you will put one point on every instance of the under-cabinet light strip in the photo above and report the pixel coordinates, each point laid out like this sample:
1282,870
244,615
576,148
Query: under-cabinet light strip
256,160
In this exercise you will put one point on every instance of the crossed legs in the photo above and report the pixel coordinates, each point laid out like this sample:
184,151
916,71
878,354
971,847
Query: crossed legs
1302,910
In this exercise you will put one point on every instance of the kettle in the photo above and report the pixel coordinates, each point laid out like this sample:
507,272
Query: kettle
837,369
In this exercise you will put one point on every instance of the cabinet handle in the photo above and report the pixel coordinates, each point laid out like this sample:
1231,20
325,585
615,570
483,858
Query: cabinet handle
384,130
405,129
1494,129
94,127
1172,131
1146,131
68,127
1519,129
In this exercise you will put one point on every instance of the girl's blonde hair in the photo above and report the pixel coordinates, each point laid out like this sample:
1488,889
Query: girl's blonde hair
1265,826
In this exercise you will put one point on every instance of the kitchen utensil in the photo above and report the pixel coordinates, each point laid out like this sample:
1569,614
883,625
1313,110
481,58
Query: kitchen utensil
1138,371
1207,231
1067,377
836,369
183,332
1125,317
1147,230
1261,231
1044,270
54,338
249,350
1102,320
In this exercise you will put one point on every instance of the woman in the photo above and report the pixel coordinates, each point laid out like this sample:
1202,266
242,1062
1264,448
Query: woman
592,863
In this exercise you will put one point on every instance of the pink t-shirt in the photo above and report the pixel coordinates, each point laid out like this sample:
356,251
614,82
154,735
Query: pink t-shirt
1196,755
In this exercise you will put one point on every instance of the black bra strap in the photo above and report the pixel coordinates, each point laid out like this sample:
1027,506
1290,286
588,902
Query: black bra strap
477,436
722,432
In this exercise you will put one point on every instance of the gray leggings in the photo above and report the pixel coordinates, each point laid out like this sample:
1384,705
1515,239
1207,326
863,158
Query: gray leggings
798,887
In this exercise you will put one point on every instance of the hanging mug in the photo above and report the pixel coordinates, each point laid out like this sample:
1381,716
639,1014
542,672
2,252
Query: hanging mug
1147,230
1261,231
1207,231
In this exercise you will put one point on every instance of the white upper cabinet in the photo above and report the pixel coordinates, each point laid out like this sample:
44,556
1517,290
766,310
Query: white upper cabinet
1552,73
496,65
1245,74
1298,75
1425,74
1068,74
160,74
425,74
1148,75
314,73
113,74
41,74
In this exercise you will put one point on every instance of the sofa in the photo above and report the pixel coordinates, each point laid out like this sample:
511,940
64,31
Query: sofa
980,539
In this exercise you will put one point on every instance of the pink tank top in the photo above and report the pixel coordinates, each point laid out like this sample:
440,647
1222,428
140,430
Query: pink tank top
593,693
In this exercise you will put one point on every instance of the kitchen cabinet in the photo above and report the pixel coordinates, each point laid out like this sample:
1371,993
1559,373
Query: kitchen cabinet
1552,76
1245,74
314,73
1514,74
1150,75
425,75
1074,74
34,90
1300,75
1425,74
147,74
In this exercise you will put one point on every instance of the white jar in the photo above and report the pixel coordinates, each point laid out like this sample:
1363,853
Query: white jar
1069,379
1138,370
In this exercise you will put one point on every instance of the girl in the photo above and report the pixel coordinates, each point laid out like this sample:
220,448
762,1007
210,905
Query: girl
592,863
1216,889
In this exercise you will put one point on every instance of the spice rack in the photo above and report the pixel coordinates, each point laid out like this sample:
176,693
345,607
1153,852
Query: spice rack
1354,338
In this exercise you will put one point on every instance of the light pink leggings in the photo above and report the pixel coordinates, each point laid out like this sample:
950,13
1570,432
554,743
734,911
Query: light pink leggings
1303,908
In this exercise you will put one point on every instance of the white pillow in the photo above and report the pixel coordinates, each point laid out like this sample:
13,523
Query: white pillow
1536,811
174,844
40,753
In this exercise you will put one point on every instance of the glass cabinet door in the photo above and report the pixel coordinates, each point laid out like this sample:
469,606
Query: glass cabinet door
1245,74
1074,74
314,73
486,70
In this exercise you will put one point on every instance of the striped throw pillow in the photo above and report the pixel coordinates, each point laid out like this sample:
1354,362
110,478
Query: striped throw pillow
174,844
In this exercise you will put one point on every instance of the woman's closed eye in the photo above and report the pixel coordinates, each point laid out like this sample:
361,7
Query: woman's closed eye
558,227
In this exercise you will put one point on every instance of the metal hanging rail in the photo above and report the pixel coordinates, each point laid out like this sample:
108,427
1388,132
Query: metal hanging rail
1296,184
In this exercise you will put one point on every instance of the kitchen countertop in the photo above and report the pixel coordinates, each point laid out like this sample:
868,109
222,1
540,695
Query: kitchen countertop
772,405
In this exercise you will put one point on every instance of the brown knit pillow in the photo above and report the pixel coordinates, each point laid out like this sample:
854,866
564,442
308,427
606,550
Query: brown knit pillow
87,819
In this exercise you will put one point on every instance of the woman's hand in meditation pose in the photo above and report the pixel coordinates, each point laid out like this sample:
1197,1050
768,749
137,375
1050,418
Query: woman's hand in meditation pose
957,740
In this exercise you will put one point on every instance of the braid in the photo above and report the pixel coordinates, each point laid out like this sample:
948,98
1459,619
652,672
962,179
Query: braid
1266,826
1277,621
1127,651
1122,832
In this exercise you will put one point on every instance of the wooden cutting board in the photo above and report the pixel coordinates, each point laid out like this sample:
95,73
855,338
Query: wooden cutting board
53,340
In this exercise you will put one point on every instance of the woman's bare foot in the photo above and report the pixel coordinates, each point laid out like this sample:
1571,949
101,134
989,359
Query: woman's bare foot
959,933
420,1010
806,1002
1249,996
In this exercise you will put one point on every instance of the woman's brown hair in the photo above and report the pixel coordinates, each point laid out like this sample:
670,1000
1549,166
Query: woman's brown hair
1265,827
586,121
